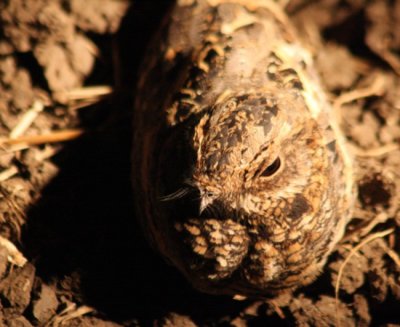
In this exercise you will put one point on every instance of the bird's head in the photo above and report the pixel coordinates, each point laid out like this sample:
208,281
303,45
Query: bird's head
256,147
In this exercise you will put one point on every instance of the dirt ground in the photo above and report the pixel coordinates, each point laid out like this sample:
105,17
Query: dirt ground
71,251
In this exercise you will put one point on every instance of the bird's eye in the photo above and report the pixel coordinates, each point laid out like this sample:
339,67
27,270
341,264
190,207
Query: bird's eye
272,168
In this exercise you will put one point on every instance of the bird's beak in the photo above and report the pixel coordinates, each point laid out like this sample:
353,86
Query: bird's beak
205,202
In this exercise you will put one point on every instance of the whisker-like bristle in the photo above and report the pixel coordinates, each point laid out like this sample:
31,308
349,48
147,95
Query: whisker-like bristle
176,195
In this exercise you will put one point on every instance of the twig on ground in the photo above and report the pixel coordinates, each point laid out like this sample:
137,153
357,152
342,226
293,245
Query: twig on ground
378,219
278,310
8,173
76,105
377,88
391,59
69,313
88,93
14,256
27,119
376,152
393,255
52,137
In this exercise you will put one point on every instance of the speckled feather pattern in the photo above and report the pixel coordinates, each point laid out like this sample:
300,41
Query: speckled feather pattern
241,174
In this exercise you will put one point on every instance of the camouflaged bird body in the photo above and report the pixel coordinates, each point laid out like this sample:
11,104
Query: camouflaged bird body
240,171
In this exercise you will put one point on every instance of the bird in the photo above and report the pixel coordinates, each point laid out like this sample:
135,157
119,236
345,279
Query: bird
241,175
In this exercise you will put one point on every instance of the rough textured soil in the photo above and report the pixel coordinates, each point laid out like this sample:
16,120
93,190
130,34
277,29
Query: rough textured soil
71,252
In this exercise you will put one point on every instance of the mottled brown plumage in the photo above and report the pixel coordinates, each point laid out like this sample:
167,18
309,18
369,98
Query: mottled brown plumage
241,174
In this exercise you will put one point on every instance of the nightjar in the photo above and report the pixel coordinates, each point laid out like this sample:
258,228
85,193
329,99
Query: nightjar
241,175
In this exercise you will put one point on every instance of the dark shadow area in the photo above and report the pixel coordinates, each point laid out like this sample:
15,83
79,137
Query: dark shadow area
385,314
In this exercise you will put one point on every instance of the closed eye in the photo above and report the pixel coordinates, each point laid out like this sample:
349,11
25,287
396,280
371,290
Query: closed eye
272,168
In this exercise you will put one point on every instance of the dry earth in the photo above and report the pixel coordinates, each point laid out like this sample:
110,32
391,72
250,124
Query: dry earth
71,252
